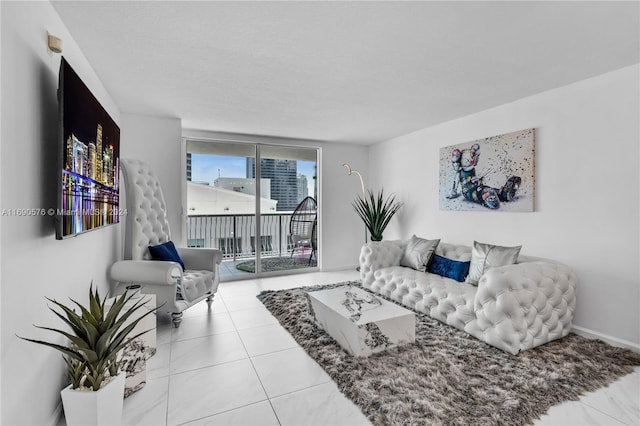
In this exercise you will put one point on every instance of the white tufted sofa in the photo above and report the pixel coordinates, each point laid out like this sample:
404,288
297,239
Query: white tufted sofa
514,307
147,224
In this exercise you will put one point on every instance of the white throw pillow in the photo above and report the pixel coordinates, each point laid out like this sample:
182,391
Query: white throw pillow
418,253
487,256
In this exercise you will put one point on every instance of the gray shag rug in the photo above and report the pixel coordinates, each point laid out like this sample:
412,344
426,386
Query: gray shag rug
450,378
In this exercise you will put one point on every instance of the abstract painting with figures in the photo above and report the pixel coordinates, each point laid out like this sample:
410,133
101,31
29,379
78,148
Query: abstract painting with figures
490,174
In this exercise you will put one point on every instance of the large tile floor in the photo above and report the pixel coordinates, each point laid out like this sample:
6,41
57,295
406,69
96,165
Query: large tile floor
236,365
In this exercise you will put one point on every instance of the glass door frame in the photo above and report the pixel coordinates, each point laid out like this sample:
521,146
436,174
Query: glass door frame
257,144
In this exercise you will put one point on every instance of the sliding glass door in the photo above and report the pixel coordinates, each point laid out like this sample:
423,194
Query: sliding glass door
288,233
250,219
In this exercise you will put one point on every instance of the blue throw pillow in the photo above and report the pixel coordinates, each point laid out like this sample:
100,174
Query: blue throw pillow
453,269
166,251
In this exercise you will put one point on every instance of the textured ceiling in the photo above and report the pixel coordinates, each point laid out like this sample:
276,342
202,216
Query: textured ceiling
343,71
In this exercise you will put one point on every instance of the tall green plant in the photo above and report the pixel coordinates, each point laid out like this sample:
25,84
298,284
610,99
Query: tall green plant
96,337
376,212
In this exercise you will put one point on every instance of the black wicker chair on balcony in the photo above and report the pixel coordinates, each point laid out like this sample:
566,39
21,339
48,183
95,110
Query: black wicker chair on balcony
302,229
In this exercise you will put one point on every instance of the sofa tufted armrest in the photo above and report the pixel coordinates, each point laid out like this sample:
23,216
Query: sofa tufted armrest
200,258
146,272
377,255
522,305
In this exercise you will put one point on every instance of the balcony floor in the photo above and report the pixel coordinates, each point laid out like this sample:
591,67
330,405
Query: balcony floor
228,269
229,272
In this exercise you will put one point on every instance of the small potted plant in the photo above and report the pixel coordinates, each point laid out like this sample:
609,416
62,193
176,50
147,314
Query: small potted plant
95,395
376,212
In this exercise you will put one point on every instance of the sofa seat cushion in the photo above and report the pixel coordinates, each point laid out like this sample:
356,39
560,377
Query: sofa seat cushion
195,284
439,297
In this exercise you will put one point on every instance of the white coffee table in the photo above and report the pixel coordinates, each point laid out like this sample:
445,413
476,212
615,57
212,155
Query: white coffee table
361,322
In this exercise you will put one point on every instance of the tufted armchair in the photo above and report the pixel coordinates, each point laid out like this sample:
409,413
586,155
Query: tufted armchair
514,307
147,225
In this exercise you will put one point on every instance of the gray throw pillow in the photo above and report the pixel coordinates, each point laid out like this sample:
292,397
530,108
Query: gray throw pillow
418,253
487,256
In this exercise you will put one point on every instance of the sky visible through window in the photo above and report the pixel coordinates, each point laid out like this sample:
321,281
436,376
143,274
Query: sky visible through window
207,168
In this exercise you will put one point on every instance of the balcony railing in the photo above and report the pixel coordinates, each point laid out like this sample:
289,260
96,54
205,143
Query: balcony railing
234,234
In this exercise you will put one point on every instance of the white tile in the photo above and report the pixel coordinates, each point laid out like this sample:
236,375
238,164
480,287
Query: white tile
163,328
254,317
278,283
203,325
266,339
148,406
574,413
288,371
207,391
342,276
240,302
305,280
263,281
206,351
317,278
318,405
258,414
238,288
158,365
202,307
621,399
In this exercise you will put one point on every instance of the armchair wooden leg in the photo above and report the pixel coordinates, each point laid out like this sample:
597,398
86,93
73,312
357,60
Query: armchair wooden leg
210,300
177,318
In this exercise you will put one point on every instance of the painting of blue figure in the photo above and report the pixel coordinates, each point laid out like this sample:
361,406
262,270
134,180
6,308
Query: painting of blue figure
491,174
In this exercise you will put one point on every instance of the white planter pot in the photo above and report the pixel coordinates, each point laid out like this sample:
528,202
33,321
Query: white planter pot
103,407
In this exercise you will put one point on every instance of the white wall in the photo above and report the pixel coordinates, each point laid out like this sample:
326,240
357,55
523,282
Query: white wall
34,263
341,231
587,191
156,140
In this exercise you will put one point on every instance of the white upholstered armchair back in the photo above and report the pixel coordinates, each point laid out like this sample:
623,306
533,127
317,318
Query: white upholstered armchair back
146,222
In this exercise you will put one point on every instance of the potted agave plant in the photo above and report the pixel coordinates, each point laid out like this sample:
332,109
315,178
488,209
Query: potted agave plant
95,395
376,211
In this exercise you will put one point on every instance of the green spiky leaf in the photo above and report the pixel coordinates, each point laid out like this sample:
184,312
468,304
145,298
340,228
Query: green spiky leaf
376,212
96,336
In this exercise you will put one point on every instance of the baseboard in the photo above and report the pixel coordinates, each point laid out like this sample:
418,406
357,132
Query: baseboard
614,341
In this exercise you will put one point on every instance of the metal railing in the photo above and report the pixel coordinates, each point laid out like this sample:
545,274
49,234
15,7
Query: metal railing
234,234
